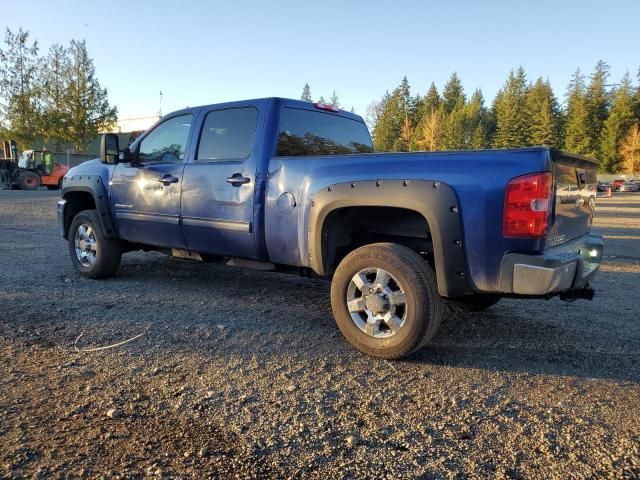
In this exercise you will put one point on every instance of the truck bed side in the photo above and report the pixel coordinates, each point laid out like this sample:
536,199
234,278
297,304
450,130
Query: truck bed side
477,178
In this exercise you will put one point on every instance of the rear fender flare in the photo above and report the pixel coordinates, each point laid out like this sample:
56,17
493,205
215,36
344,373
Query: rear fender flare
435,201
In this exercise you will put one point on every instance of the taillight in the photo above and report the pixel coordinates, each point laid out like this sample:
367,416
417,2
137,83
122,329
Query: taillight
527,203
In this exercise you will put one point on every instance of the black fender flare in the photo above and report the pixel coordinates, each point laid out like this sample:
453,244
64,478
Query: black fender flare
93,185
436,201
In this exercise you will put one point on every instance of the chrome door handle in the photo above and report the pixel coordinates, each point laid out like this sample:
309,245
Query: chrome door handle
238,179
168,179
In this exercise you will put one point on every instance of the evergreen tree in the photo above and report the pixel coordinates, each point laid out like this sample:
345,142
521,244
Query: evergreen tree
630,151
510,111
405,102
455,126
544,114
88,105
597,103
431,101
453,93
425,108
476,123
637,97
55,86
576,137
19,87
406,135
334,101
430,131
306,94
322,101
616,126
388,129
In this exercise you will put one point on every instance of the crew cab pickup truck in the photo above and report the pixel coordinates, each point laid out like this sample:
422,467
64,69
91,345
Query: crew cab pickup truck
291,186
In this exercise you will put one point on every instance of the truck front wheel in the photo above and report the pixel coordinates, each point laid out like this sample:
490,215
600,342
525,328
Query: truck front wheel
92,253
385,300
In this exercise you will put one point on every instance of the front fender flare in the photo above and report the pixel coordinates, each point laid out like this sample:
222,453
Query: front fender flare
435,201
93,185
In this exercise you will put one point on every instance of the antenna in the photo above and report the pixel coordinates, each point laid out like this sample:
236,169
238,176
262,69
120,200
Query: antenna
160,111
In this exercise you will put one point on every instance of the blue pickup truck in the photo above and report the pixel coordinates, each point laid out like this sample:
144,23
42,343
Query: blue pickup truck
290,186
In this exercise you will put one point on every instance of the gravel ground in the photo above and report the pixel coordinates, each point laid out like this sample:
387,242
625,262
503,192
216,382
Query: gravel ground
240,374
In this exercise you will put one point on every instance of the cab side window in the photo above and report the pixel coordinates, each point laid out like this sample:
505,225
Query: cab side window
167,142
228,134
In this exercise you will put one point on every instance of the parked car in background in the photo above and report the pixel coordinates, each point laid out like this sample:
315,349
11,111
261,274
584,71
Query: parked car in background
630,186
616,185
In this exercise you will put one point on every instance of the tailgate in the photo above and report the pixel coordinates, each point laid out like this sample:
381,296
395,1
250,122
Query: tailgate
575,179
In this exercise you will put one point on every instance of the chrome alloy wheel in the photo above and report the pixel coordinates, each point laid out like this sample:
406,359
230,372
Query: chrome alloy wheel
86,245
376,302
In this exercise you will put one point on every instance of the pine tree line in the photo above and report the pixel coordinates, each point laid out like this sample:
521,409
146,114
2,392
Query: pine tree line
599,119
334,101
53,98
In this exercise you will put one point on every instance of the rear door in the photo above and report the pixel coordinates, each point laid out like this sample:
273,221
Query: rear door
219,186
145,196
576,180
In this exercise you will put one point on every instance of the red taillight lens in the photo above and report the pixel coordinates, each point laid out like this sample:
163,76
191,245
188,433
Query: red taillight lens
527,202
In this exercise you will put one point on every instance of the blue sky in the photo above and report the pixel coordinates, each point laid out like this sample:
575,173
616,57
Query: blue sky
200,52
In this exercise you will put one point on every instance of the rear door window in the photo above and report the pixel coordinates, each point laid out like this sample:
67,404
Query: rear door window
228,134
306,132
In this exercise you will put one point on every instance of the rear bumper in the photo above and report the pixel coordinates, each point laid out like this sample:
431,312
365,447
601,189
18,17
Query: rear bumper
559,269
61,206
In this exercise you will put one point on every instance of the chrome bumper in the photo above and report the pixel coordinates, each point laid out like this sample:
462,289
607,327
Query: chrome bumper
559,269
61,206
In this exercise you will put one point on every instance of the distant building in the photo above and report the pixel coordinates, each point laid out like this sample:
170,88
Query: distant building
135,124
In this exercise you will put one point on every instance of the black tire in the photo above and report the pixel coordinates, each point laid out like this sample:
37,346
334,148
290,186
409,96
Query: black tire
29,181
108,251
424,306
473,303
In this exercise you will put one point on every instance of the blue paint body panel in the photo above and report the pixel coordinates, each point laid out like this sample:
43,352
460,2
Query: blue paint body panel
267,218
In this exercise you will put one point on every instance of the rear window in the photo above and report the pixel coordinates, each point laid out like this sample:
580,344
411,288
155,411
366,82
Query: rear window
305,132
228,134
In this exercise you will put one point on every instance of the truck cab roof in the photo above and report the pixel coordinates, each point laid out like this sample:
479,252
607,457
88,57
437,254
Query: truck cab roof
283,102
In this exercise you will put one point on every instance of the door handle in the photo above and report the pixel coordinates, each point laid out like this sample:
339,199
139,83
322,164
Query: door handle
238,179
168,179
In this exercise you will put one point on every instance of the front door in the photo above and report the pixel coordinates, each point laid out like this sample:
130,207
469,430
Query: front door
219,184
145,195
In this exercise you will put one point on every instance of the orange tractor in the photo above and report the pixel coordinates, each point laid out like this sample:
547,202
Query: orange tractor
31,170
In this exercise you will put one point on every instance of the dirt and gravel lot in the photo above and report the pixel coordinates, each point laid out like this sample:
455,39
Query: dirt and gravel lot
240,374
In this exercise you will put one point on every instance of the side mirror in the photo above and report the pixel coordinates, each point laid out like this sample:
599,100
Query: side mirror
109,148
127,156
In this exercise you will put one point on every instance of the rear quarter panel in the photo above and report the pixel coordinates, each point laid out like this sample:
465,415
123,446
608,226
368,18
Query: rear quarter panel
478,179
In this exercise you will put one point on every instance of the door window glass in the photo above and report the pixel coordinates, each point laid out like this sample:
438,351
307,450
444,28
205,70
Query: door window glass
167,142
228,134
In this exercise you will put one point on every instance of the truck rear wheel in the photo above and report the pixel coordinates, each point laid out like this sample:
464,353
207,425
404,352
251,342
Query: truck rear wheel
29,181
92,253
385,300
